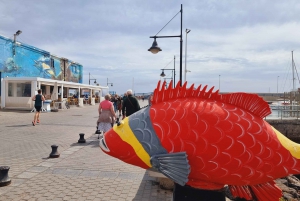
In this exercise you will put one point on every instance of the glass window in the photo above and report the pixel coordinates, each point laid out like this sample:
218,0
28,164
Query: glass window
10,89
23,90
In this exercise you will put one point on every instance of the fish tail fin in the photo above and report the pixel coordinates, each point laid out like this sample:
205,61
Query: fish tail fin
262,192
241,192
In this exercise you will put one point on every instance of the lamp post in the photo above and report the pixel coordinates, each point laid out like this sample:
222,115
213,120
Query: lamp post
173,73
15,37
111,84
185,70
155,49
95,82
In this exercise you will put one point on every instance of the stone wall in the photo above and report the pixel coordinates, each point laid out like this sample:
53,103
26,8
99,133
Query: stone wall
289,128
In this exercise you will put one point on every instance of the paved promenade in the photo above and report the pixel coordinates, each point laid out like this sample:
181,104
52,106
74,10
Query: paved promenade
82,172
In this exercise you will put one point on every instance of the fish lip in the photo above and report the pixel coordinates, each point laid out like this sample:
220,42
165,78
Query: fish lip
103,145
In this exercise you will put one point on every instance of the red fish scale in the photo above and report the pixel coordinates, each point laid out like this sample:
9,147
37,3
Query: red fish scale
225,144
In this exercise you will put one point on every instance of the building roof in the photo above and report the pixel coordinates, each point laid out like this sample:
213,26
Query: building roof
51,82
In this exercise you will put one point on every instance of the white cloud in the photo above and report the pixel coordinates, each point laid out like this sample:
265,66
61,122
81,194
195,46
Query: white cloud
247,43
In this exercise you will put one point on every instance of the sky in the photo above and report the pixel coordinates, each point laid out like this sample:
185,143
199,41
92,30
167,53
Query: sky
233,45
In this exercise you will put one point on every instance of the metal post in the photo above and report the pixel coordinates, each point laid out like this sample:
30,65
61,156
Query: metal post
185,70
174,73
181,47
89,79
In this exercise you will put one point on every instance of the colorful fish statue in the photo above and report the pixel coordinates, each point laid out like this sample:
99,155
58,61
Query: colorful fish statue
207,140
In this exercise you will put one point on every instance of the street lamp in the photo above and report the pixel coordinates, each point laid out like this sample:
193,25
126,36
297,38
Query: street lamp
173,75
111,84
95,82
155,49
166,82
185,71
15,37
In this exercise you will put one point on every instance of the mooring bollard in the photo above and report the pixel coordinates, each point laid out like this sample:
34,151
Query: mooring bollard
54,153
4,179
81,139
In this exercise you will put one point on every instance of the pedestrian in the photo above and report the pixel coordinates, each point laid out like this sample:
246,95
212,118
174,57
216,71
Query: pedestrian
150,99
119,105
124,97
115,102
107,115
38,103
130,104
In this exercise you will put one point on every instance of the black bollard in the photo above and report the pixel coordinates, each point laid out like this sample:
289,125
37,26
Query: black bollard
81,139
187,193
4,179
54,153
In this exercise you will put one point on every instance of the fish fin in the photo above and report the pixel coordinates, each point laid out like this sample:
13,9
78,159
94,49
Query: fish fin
267,191
173,165
241,192
250,102
262,192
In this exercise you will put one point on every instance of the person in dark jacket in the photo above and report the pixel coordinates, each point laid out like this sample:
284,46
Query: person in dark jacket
130,104
38,103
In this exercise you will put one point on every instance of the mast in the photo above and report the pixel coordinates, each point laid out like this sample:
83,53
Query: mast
293,69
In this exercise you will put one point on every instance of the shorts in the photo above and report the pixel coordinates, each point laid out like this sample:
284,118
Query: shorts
38,108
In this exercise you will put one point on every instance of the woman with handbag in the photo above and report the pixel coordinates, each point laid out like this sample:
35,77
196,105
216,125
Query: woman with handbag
107,115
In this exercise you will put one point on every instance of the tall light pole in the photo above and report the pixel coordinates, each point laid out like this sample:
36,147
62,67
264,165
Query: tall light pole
111,84
15,37
155,49
173,73
95,82
185,70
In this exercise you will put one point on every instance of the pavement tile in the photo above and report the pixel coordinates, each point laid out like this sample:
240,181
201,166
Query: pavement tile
46,164
27,175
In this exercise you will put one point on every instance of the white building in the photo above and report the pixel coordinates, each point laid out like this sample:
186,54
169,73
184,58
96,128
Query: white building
17,92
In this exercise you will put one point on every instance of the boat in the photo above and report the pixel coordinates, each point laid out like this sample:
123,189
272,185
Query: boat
280,105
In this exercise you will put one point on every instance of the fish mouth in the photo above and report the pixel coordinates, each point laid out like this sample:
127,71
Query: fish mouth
103,145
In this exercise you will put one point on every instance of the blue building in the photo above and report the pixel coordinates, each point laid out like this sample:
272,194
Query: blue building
22,60
24,69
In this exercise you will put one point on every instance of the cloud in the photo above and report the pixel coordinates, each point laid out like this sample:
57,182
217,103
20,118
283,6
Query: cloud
242,44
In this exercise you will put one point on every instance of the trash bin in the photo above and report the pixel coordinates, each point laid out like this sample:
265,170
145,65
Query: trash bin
47,105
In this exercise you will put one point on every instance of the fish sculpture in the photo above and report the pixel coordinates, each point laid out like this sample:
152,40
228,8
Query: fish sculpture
207,140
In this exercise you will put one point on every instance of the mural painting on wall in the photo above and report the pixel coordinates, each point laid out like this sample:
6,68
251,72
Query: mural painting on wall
74,73
20,60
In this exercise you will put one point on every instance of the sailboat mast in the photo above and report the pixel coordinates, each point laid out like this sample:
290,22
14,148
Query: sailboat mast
293,69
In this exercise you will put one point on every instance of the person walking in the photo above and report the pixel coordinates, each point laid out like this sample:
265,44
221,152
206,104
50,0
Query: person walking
119,105
38,103
107,115
130,104
150,99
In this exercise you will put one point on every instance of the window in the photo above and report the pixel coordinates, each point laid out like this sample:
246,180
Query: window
10,89
52,63
23,90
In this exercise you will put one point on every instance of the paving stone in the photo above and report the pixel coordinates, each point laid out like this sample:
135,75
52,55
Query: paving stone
37,169
27,175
